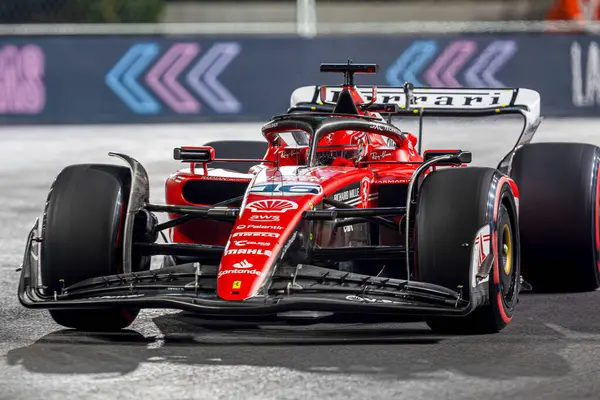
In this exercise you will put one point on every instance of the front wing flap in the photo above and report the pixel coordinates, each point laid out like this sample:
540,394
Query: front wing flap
192,287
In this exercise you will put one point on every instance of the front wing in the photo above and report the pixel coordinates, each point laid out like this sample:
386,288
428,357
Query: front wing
192,287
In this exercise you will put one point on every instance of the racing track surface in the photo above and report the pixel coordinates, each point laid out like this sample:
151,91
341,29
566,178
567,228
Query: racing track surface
550,351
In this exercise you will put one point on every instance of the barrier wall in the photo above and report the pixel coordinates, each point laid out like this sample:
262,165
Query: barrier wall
126,79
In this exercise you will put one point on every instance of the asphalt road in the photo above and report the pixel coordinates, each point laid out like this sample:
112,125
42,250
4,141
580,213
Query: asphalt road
550,351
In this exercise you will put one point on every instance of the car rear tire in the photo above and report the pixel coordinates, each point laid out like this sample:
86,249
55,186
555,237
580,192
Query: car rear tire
558,215
82,234
453,206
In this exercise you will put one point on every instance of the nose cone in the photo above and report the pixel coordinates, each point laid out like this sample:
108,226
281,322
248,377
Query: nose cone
242,279
263,228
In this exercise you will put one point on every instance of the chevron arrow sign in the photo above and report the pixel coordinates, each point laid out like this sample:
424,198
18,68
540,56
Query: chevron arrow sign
122,79
490,61
203,77
169,90
410,63
146,82
419,60
442,73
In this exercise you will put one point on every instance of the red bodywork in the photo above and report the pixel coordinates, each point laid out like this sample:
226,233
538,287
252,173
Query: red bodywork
268,220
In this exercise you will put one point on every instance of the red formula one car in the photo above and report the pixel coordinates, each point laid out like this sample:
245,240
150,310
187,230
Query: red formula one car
343,219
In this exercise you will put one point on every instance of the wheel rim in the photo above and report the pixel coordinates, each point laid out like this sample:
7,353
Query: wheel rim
507,268
507,251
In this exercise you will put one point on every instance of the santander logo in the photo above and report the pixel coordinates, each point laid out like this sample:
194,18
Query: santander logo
276,206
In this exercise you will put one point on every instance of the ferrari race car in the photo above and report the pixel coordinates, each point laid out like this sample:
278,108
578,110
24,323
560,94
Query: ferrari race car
343,219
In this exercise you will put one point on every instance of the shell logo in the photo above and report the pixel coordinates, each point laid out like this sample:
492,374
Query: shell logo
278,206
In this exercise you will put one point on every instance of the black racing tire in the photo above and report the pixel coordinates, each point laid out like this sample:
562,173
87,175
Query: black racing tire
81,235
453,205
558,215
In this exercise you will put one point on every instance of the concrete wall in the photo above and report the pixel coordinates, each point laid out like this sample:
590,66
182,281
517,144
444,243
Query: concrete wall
363,11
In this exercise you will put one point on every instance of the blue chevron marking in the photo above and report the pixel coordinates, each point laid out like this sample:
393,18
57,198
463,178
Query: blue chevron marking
410,63
129,67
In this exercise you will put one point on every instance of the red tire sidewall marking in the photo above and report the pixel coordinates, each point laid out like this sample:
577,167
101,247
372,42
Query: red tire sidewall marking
495,250
596,224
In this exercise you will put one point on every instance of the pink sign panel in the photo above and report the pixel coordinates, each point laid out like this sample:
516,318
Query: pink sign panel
22,89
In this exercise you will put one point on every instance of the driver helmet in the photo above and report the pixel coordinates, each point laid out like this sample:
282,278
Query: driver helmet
340,146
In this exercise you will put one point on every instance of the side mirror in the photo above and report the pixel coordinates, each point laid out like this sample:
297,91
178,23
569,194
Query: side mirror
465,157
200,154
460,157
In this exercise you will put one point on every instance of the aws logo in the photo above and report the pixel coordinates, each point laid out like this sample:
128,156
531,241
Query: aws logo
264,218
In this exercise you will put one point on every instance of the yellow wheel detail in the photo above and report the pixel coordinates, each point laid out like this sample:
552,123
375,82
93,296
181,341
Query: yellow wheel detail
507,251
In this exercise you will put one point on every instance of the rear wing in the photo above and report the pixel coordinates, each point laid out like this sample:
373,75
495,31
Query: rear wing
446,101
455,102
